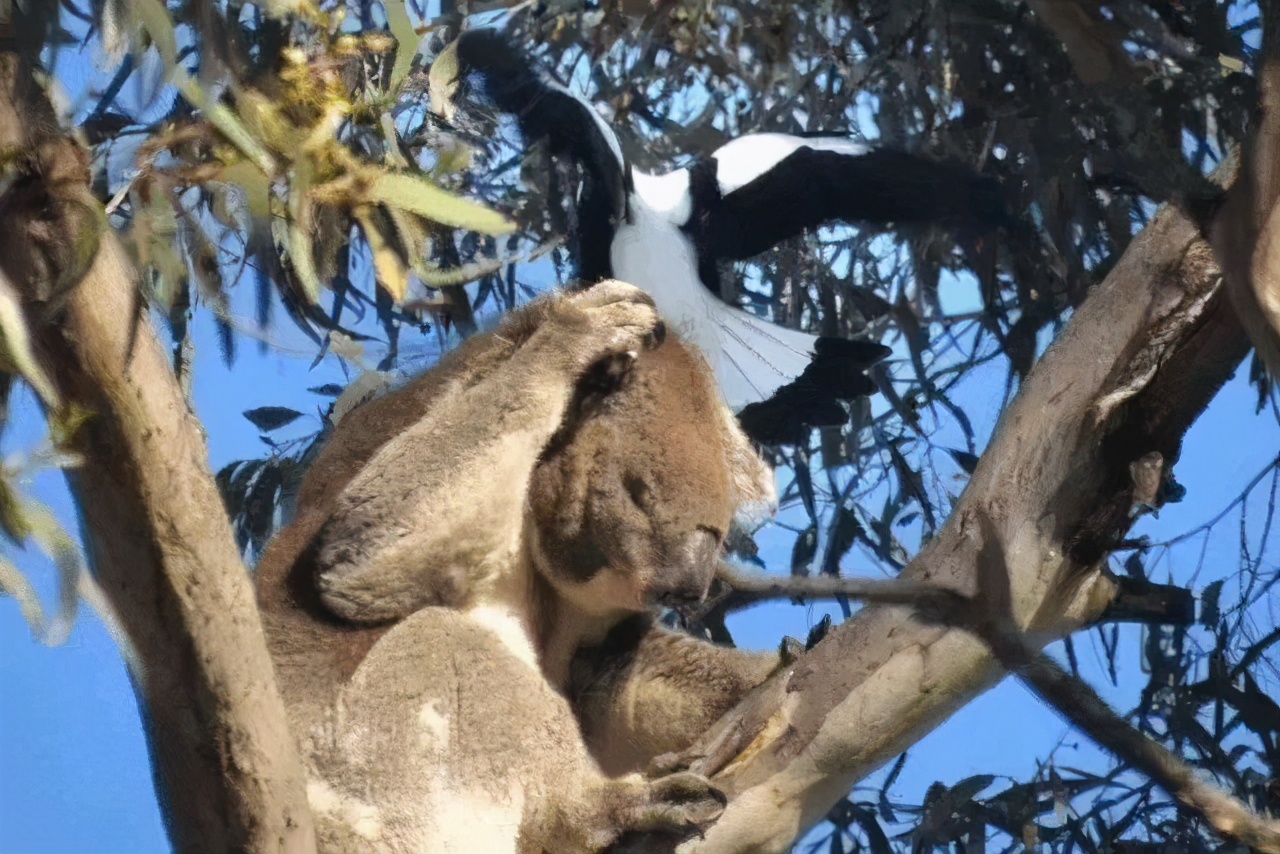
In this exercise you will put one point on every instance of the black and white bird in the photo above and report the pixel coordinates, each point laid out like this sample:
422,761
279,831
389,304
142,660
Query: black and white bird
670,233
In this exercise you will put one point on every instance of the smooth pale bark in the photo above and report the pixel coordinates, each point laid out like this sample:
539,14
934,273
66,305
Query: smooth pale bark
1138,361
225,765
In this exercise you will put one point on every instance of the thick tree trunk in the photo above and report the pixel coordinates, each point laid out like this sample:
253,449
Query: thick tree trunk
1136,364
225,764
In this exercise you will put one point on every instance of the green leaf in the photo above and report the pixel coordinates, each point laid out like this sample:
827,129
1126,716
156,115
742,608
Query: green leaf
301,219
225,122
388,267
418,195
12,520
968,788
254,184
54,542
154,17
281,9
1210,612
967,461
406,39
803,551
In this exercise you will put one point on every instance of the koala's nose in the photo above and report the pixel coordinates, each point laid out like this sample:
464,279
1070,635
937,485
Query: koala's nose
691,569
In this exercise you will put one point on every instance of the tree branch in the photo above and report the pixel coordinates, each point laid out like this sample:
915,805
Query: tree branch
1082,706
1076,701
162,548
1139,360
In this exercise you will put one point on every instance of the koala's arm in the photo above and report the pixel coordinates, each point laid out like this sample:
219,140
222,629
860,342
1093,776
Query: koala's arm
647,690
370,426
438,510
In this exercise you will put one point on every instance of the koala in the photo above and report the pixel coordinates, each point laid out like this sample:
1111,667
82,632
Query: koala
458,540
646,692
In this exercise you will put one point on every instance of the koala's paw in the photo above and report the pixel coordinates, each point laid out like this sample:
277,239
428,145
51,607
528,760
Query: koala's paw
605,327
673,808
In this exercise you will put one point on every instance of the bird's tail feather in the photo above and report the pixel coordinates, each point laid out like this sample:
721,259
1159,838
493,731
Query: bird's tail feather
834,373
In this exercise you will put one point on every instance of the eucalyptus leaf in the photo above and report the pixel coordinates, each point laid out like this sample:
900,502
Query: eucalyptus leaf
15,345
406,39
418,195
388,267
154,17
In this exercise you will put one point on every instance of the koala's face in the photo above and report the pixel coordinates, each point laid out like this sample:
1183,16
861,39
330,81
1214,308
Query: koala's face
631,503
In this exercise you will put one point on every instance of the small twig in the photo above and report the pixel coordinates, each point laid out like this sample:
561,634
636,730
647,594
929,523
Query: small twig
989,616
1082,706
759,587
1135,601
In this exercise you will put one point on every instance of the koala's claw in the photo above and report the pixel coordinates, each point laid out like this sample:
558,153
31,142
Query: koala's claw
610,291
681,804
669,763
656,336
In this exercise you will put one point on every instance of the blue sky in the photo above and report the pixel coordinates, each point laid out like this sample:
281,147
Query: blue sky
74,775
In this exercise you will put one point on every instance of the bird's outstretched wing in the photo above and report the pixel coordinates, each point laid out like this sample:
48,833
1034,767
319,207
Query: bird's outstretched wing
546,112
760,189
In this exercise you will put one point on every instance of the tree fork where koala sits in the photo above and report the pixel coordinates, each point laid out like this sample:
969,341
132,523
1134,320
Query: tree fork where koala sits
224,761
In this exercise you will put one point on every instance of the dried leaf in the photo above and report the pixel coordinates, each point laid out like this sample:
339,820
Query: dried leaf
268,418
388,267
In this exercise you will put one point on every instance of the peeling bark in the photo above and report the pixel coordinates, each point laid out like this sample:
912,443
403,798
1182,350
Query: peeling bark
1137,363
224,762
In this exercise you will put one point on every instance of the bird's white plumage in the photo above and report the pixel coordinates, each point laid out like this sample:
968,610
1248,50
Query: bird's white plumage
752,358
746,158
667,196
